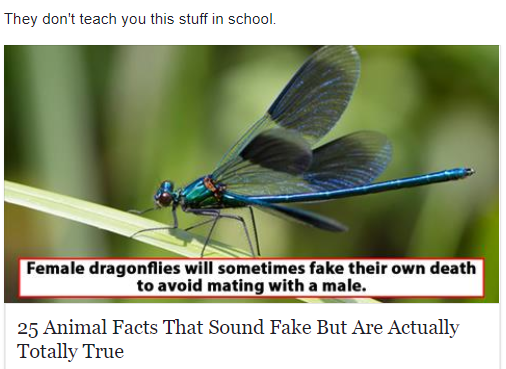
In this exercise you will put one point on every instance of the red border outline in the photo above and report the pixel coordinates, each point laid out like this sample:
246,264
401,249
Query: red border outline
248,296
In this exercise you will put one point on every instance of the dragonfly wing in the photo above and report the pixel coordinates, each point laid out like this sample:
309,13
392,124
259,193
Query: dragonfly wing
279,150
317,95
298,215
312,102
305,217
350,161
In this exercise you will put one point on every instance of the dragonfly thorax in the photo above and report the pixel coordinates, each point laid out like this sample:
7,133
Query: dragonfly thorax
165,195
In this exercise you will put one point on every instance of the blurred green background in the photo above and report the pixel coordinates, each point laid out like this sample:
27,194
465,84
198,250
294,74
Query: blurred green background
108,123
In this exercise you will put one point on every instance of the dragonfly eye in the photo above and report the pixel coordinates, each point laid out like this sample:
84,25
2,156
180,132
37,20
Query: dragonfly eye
164,195
163,198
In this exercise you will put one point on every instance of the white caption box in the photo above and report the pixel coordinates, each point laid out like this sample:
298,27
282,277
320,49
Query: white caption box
255,278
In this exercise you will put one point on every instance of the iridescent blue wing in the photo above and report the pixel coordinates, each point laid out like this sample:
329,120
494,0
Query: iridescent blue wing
299,215
350,161
310,105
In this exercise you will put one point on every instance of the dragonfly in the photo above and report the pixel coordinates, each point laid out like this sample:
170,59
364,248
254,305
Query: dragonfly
278,160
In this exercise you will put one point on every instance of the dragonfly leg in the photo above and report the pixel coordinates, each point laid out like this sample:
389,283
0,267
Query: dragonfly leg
215,220
140,212
175,225
199,224
241,219
254,229
216,214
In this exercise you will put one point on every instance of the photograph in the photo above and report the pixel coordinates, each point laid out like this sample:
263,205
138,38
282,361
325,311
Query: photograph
251,151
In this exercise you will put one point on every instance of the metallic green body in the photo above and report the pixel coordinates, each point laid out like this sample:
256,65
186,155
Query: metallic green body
197,196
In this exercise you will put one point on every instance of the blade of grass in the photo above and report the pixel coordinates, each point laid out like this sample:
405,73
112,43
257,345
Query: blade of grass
175,241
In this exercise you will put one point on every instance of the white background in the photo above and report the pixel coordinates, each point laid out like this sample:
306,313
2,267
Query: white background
475,345
315,22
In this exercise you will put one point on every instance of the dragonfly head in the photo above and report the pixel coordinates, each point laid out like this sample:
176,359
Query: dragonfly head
165,194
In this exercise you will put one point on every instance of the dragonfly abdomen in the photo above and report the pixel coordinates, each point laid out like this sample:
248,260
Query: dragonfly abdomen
421,180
